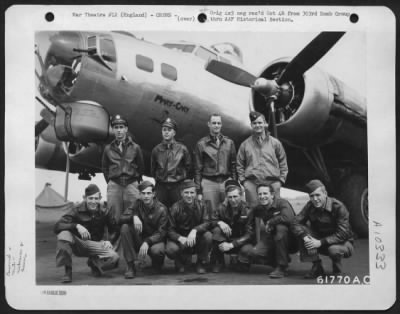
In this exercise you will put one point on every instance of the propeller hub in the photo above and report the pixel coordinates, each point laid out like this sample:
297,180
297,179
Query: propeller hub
267,88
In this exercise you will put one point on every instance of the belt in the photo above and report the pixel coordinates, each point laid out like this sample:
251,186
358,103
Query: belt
169,183
218,179
124,180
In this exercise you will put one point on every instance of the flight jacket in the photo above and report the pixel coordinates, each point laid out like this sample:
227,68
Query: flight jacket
183,218
213,161
128,163
236,218
262,162
154,220
280,212
94,222
329,224
170,162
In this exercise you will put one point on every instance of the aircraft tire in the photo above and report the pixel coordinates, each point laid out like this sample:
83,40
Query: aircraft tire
353,192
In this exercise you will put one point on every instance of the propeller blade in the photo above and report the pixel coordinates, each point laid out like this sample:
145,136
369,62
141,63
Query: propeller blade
310,55
231,73
40,126
274,130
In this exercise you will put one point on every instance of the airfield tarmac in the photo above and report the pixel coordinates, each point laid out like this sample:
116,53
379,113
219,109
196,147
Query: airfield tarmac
356,267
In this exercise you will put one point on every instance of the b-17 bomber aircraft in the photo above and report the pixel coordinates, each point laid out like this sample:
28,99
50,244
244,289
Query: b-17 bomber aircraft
86,77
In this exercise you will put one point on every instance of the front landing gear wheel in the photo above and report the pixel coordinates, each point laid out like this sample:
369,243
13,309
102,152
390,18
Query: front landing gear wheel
353,192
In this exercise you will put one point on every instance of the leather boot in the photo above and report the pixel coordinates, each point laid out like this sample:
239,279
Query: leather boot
179,265
279,272
316,271
217,260
337,266
130,270
200,267
68,275
96,271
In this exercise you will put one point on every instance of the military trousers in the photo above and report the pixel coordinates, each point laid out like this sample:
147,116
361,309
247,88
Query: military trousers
131,241
335,251
176,251
213,191
68,244
273,248
121,197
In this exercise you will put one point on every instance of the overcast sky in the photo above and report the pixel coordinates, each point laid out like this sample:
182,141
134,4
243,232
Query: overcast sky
346,61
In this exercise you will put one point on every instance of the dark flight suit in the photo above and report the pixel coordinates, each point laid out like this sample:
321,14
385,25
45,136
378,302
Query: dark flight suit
214,163
236,218
69,240
123,171
331,226
154,229
182,219
170,165
275,245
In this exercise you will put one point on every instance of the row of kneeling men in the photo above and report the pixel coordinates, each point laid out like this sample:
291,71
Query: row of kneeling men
266,233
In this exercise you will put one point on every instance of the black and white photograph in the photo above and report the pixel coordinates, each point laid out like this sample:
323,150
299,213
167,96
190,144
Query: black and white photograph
233,149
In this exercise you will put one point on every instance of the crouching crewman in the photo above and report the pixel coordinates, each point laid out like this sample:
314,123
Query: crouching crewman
143,230
270,221
188,233
230,225
329,232
81,230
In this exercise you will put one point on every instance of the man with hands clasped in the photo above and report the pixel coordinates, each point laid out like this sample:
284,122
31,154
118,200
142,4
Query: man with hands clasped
230,225
81,230
188,232
143,230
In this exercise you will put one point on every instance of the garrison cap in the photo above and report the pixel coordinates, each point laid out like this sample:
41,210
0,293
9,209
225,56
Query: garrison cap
170,123
144,185
231,183
186,184
91,189
255,115
118,119
313,185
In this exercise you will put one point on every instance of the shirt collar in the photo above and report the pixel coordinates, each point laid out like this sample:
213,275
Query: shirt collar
328,204
264,136
213,138
170,142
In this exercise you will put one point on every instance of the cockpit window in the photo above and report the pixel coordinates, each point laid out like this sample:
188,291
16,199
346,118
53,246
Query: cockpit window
107,49
205,54
181,47
169,72
144,63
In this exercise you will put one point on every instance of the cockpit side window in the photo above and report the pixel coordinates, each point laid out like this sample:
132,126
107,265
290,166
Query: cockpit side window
144,63
205,54
169,72
182,47
107,49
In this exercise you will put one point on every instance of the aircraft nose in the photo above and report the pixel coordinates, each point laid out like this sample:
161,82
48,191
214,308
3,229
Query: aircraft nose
54,75
61,50
60,58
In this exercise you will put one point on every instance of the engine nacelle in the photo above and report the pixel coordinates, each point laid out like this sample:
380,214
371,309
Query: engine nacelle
315,109
82,122
86,156
49,152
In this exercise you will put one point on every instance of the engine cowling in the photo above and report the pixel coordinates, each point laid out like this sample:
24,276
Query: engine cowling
315,109
49,152
82,122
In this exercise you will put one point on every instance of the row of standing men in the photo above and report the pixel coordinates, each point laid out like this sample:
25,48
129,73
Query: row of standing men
260,227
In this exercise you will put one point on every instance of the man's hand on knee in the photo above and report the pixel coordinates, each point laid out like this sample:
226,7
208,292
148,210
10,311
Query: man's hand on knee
84,233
